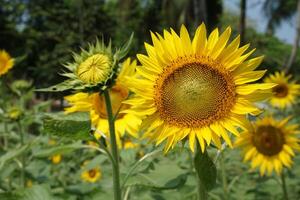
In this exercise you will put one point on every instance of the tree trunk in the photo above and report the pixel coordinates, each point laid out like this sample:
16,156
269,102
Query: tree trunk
296,41
243,19
270,27
202,10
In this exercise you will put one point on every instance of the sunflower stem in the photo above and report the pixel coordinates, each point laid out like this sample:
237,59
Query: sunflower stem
202,193
114,147
283,184
224,178
22,175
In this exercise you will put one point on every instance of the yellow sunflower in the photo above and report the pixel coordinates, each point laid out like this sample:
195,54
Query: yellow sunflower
128,144
270,144
285,92
6,62
56,159
95,104
195,89
91,175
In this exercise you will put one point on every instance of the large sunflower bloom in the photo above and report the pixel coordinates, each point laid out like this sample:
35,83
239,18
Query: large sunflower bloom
95,104
270,144
6,62
195,89
285,92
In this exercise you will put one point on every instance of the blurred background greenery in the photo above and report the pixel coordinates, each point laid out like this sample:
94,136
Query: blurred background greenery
44,32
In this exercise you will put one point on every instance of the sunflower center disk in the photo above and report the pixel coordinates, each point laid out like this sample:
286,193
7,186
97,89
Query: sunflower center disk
92,173
281,90
268,140
195,95
117,94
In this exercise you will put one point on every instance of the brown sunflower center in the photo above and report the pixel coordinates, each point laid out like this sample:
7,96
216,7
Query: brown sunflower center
194,95
281,90
268,140
92,173
3,63
118,93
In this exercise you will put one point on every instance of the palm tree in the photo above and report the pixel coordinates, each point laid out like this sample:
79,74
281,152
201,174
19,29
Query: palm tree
243,19
296,41
277,11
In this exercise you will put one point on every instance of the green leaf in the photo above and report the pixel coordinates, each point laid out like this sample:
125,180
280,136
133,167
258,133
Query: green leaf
12,154
73,126
206,169
162,178
60,87
36,192
61,149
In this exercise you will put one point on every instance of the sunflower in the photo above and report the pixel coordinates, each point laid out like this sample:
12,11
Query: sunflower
270,144
6,62
95,104
91,175
128,144
56,159
285,92
197,89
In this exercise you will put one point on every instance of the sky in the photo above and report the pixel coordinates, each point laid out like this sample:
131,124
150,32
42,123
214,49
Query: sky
285,32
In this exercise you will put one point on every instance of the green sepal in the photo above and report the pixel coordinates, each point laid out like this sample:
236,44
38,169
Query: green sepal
122,52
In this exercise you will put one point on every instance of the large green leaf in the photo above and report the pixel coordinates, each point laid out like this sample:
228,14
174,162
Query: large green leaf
36,192
12,154
60,87
61,149
73,126
163,177
206,170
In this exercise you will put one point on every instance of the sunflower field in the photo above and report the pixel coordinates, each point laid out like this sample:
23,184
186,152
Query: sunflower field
149,100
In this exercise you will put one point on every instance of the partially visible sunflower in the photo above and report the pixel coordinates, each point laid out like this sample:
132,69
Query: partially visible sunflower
128,144
270,145
56,159
285,92
195,89
95,104
6,62
91,175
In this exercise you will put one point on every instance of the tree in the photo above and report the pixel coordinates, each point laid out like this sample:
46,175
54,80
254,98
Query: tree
296,41
242,27
277,11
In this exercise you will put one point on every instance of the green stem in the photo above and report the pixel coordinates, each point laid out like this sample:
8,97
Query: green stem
114,147
283,184
224,178
22,176
5,145
202,193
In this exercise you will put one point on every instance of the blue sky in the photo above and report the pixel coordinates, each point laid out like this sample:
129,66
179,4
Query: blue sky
286,32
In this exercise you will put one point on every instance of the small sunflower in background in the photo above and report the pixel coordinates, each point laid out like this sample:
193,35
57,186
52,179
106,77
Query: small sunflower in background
91,175
6,62
95,104
128,144
197,89
285,92
270,144
56,159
